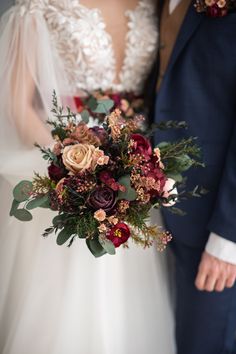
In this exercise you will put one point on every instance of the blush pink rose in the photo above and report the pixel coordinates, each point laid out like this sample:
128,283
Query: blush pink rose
169,190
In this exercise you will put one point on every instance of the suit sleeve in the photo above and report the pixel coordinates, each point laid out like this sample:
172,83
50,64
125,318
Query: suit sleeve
223,220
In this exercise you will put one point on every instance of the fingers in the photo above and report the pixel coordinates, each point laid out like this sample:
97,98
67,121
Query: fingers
231,280
211,282
201,279
215,274
221,283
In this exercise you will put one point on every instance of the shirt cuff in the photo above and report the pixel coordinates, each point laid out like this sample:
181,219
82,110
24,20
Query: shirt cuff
221,248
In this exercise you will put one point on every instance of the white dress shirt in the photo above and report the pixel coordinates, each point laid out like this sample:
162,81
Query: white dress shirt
216,246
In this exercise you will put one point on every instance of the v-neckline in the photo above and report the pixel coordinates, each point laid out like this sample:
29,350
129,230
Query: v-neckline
117,79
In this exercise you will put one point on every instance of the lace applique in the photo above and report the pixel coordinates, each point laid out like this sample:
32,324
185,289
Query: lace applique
86,49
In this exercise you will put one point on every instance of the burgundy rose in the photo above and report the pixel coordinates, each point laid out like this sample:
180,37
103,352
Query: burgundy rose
119,234
142,146
56,173
102,198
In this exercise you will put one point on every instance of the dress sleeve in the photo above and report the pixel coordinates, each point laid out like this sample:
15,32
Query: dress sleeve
30,70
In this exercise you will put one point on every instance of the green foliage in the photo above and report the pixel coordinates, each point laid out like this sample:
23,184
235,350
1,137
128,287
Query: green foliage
48,231
86,225
14,207
23,215
107,245
85,116
64,235
22,191
95,247
129,194
179,157
38,202
138,215
104,106
176,211
48,155
170,124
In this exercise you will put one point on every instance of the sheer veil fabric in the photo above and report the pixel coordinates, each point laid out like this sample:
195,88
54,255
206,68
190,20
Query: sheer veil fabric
58,300
30,70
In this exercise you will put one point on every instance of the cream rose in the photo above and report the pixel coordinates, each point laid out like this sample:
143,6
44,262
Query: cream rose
78,157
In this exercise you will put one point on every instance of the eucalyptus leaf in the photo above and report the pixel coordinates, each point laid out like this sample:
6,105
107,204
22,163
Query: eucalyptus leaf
163,144
184,162
129,194
37,202
104,106
177,211
85,116
176,176
107,245
22,191
95,248
58,220
14,207
64,236
23,215
92,103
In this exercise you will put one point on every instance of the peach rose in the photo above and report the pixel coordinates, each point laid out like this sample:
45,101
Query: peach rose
99,158
113,220
100,215
221,3
78,157
102,228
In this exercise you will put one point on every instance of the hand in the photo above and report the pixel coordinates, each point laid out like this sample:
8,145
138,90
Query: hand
215,274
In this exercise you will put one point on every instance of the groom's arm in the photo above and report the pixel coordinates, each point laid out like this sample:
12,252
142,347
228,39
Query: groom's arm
223,219
217,268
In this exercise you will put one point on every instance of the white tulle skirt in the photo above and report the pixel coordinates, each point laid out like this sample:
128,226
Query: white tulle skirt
55,300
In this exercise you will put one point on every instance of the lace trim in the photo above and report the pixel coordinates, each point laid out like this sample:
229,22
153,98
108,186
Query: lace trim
86,48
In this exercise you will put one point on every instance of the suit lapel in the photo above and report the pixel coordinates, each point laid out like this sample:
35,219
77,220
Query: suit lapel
191,22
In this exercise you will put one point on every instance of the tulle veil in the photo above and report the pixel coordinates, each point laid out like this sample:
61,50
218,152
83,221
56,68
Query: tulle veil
30,69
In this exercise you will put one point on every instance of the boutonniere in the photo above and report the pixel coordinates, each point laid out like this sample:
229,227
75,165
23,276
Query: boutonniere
215,8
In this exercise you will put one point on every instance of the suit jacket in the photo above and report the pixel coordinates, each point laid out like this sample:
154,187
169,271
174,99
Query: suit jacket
199,87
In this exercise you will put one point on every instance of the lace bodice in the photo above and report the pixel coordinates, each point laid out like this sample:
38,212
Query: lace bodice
80,37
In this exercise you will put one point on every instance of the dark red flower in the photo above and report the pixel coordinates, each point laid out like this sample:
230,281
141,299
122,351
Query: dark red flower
108,180
116,98
151,169
142,146
119,234
79,104
56,173
102,198
216,11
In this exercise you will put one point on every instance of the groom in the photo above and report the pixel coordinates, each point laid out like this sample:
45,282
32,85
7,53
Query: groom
196,83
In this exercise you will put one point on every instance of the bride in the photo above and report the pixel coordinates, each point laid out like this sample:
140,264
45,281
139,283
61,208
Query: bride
58,300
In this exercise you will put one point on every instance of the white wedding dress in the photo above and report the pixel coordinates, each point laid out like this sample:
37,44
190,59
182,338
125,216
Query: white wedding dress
55,300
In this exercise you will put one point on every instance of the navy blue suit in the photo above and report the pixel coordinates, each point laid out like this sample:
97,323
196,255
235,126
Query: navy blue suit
199,87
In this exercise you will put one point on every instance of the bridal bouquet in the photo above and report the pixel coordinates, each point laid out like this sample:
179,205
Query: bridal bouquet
103,180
